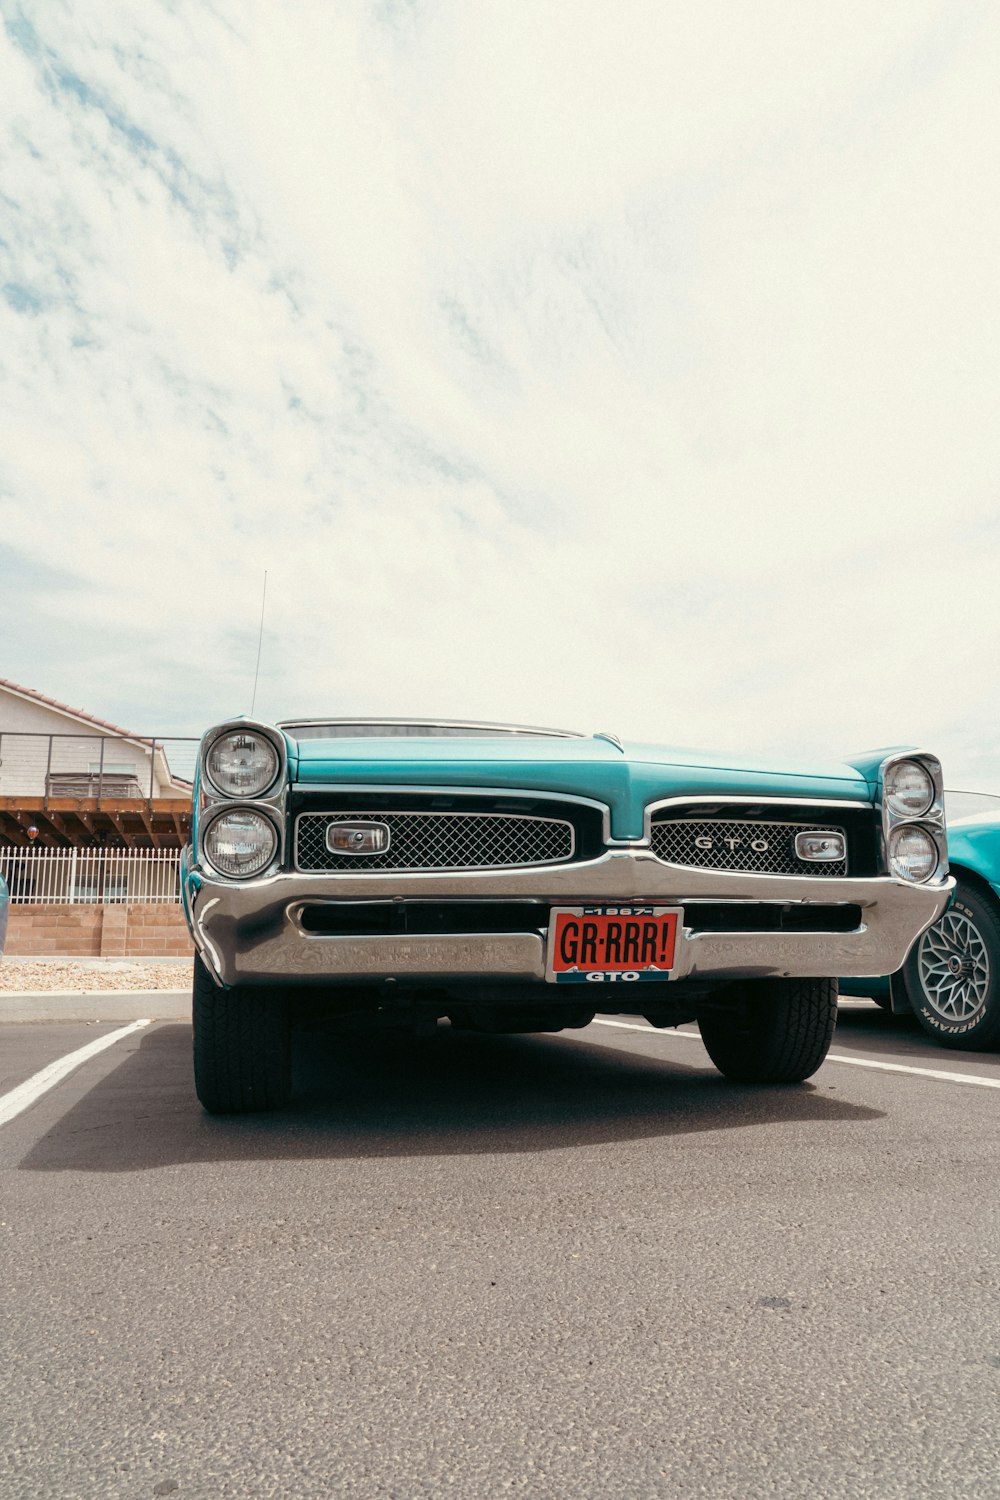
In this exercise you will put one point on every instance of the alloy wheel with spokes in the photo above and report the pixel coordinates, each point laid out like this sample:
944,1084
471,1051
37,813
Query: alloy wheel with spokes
954,964
952,974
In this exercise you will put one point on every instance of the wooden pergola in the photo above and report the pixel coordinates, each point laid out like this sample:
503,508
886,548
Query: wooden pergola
88,822
73,781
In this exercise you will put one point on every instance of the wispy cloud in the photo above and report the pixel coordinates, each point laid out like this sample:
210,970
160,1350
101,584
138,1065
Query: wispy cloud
633,367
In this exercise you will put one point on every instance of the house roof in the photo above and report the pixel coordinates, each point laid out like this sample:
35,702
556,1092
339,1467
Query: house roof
85,718
64,708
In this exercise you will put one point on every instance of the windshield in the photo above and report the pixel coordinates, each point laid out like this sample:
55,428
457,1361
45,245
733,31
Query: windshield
960,805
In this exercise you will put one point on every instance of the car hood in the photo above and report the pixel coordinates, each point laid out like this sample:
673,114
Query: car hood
624,778
974,844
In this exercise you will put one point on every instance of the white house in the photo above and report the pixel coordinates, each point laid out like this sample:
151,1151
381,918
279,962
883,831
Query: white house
48,749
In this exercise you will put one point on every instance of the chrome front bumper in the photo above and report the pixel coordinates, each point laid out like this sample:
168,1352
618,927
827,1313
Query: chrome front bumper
252,931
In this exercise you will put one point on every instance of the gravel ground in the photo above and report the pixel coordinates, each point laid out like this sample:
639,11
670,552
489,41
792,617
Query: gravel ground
45,974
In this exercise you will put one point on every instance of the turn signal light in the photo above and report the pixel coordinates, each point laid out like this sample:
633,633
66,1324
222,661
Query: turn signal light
821,847
357,838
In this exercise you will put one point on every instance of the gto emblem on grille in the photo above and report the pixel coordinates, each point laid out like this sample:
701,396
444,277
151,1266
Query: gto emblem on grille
759,846
357,838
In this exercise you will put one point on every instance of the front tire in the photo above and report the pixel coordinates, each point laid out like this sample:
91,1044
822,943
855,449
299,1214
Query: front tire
775,1031
952,974
242,1046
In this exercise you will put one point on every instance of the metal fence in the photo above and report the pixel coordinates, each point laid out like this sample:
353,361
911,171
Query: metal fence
46,877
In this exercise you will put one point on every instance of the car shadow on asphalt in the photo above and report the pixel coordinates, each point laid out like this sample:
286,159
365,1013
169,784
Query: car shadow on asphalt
869,1029
451,1094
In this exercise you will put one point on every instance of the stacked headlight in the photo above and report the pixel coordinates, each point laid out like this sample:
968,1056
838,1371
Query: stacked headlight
913,854
242,763
913,825
909,789
240,843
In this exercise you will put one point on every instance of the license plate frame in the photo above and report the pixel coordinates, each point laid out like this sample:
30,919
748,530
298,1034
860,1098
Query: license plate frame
603,943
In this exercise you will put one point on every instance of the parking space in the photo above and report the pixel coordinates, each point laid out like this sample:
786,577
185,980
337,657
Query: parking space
31,1046
581,1260
867,1030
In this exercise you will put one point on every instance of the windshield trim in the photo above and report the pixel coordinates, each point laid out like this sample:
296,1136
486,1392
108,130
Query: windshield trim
341,728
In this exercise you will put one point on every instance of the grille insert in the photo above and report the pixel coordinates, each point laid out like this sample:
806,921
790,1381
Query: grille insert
439,841
743,845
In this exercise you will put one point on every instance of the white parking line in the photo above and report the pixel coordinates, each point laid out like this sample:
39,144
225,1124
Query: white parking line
689,1036
26,1093
854,1062
939,1073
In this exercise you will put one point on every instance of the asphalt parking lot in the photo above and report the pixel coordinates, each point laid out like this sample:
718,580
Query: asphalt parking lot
558,1266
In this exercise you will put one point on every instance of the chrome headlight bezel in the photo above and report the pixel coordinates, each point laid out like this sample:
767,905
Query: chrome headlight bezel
211,800
926,813
896,773
270,848
269,773
901,832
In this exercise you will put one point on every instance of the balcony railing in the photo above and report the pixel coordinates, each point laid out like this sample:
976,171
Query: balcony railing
75,784
102,766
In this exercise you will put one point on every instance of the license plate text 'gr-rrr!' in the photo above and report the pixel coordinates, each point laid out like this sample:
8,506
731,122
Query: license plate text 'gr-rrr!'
586,942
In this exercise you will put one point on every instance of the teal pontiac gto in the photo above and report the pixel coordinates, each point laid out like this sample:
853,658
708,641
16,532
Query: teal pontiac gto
517,880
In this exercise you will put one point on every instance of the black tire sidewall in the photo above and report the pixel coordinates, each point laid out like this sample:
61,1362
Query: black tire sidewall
780,1033
242,1046
982,1029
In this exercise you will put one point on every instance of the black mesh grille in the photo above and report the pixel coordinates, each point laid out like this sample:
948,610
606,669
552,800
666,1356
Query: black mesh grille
439,841
743,846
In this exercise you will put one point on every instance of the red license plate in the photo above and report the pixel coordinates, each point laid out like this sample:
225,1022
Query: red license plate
618,942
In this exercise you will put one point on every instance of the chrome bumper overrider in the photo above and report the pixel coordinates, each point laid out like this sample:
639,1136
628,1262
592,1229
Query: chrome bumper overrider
252,930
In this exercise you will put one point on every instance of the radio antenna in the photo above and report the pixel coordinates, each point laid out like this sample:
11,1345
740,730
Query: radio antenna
260,639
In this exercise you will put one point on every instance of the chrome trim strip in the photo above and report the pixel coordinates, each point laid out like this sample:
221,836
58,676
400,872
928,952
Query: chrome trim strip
740,901
420,812
618,874
745,800
406,789
482,725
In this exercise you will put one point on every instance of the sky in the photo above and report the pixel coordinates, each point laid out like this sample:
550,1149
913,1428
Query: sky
623,367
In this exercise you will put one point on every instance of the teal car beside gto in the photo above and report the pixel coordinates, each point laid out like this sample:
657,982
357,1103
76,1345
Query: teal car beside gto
508,879
950,979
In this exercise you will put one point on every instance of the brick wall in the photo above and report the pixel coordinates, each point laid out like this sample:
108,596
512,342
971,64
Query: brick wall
139,930
156,931
38,930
